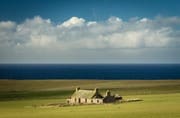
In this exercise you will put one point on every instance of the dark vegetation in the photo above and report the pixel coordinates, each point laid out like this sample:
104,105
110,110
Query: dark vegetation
35,89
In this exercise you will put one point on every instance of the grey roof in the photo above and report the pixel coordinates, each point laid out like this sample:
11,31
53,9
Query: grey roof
86,94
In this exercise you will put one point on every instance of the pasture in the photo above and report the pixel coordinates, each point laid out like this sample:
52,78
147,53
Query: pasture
22,98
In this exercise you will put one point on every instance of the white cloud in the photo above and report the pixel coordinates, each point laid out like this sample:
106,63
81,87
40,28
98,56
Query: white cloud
168,20
7,25
114,20
144,20
113,33
76,36
73,22
90,23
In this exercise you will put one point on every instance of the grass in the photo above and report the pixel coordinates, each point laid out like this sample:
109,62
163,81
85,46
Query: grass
161,99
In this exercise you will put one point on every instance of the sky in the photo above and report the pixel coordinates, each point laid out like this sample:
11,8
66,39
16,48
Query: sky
89,31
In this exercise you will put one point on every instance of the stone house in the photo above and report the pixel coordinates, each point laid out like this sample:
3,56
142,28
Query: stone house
92,97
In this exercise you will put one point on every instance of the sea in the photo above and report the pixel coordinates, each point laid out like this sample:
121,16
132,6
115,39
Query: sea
90,71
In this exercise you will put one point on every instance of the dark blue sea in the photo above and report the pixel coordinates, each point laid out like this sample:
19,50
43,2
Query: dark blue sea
90,71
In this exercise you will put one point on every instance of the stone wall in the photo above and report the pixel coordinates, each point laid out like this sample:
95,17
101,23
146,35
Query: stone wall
84,101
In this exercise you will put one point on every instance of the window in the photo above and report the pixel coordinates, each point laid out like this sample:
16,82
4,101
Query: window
97,101
91,101
85,100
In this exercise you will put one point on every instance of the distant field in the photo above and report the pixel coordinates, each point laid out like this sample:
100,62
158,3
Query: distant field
36,85
161,99
34,89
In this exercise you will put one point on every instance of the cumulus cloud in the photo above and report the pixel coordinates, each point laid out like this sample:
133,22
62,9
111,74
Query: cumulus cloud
40,36
73,22
7,25
77,33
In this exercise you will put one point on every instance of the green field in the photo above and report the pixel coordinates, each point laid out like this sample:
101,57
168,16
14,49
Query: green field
23,98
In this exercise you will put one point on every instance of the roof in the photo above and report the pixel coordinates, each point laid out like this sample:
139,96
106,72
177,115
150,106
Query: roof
86,94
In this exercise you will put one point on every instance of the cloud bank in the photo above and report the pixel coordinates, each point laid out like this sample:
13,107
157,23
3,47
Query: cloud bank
77,38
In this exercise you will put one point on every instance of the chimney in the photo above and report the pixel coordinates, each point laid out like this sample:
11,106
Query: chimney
78,88
108,93
96,90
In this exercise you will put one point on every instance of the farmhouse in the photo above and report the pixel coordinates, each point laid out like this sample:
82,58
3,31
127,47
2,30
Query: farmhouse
92,97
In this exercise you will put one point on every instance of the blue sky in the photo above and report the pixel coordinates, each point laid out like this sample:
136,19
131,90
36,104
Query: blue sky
89,31
59,10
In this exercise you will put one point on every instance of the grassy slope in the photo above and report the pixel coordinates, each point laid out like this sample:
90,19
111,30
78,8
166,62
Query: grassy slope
30,89
153,106
161,99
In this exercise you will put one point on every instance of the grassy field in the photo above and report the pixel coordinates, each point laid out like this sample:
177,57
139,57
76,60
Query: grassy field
21,99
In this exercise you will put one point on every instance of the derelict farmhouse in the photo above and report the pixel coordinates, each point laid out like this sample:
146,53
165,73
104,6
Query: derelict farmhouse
92,97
